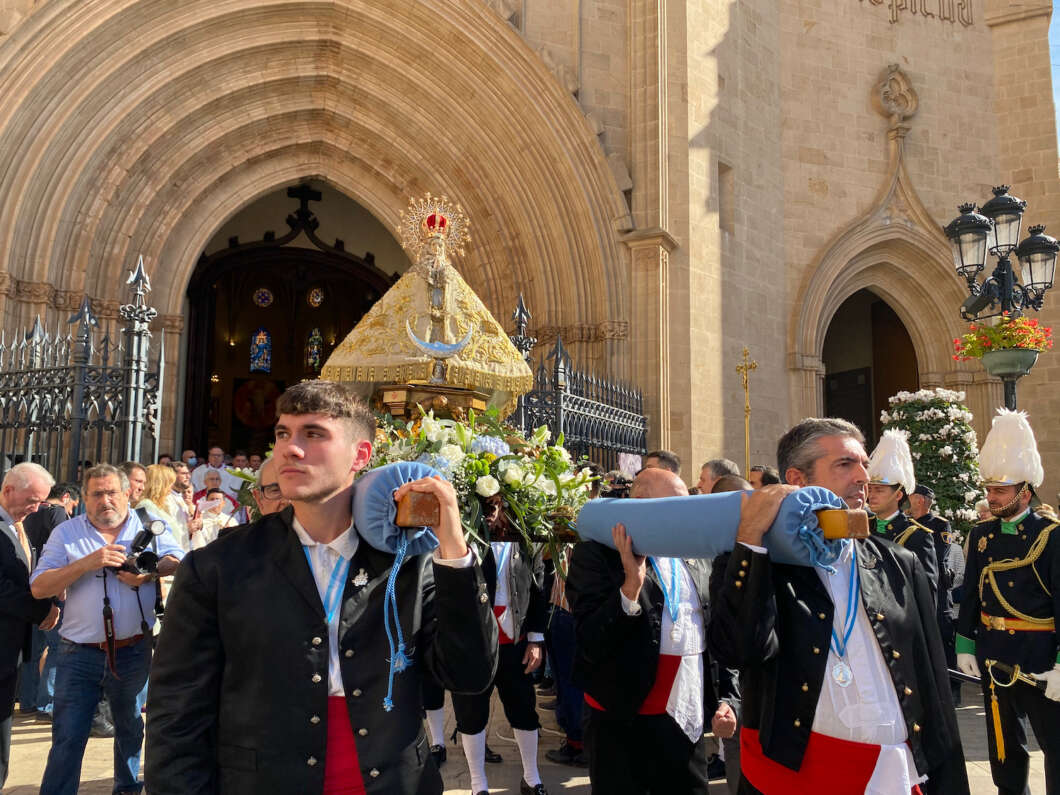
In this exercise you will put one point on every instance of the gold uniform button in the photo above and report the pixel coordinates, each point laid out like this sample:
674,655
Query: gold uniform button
1010,583
896,654
822,616
879,616
739,583
315,720
743,564
374,772
1019,527
317,641
916,727
816,650
798,723
908,692
356,693
363,732
989,535
311,761
315,678
805,687
349,652
483,598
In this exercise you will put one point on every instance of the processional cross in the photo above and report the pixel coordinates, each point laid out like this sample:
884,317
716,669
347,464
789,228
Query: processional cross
744,369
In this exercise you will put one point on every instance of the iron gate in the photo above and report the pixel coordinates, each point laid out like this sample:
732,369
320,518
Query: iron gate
90,394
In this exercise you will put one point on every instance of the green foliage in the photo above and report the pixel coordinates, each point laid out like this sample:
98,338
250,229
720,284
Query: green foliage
944,448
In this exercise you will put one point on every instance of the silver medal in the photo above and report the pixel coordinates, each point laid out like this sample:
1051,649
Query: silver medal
842,674
675,633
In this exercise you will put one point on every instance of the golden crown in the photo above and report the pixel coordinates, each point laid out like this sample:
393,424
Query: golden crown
434,217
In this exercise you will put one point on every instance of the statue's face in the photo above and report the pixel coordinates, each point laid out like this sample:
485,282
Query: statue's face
493,513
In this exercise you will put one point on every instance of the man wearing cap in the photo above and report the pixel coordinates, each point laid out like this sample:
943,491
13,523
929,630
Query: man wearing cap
890,480
1006,630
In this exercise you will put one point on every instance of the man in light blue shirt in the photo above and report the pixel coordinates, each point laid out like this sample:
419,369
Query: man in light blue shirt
82,557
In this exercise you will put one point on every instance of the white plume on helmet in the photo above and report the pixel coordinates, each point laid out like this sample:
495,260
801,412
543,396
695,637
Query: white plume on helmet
1010,453
891,464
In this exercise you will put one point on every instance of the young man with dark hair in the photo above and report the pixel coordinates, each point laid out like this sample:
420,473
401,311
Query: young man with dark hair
663,459
274,672
843,672
763,475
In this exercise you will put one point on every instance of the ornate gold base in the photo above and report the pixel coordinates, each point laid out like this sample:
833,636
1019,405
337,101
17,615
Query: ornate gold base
401,400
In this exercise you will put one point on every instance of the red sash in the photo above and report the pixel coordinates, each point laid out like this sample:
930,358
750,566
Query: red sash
656,700
502,637
829,765
342,768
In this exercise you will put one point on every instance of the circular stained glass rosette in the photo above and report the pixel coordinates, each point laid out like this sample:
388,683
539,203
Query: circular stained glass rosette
315,297
263,297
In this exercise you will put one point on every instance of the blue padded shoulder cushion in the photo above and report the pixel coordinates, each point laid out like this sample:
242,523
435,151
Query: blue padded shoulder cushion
374,509
704,526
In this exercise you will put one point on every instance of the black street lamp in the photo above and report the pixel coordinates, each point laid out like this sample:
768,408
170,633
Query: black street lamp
996,228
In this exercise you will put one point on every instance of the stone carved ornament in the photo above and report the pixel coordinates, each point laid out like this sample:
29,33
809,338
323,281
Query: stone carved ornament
894,98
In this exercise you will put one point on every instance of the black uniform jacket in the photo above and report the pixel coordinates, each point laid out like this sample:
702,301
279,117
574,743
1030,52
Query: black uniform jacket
526,596
774,623
1032,589
19,611
618,654
940,530
239,685
919,540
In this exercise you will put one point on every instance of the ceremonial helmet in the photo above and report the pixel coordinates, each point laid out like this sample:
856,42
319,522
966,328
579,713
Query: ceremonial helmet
891,464
1009,456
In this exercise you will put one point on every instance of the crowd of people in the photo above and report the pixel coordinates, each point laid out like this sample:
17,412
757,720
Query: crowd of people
300,653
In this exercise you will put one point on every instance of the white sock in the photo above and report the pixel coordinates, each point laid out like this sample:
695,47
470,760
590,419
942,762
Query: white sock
475,751
527,741
436,726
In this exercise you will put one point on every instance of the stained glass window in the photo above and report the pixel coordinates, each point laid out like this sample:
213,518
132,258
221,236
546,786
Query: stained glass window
261,351
315,297
314,350
263,297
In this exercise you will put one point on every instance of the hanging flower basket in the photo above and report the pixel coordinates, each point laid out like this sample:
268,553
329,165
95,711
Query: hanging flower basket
1010,362
1008,335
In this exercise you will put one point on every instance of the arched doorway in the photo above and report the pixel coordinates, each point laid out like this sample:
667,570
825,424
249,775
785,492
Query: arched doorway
266,307
868,356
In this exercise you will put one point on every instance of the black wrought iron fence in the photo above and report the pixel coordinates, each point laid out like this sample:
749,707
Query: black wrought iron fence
89,394
599,418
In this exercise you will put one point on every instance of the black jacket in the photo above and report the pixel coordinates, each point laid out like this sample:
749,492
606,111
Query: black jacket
919,540
239,685
940,530
618,654
19,611
39,525
775,621
526,596
1032,589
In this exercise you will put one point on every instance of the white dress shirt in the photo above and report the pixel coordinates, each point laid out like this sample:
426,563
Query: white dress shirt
503,552
322,559
685,704
867,710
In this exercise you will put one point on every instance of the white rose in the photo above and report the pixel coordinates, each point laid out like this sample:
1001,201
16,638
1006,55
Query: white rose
487,486
513,474
451,453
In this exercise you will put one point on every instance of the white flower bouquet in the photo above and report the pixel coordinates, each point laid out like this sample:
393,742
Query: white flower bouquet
510,488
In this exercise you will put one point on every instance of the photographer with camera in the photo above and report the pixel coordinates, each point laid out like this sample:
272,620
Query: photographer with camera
106,563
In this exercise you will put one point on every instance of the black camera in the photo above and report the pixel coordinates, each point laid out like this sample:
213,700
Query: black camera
140,559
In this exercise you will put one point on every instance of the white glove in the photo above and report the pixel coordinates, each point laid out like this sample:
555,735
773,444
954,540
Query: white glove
1052,682
967,664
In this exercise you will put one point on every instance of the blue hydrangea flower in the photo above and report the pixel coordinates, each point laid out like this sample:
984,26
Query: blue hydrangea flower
490,444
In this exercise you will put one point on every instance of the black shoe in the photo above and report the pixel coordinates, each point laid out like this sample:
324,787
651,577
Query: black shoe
101,727
526,789
567,754
492,756
439,753
715,767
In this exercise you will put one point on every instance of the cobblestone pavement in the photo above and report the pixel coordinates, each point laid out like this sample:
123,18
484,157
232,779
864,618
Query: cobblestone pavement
30,742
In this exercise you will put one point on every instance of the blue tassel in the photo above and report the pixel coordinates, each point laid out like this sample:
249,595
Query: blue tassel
822,552
399,660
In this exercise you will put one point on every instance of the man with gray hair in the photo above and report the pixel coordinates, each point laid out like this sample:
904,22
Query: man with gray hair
844,663
25,486
105,636
714,469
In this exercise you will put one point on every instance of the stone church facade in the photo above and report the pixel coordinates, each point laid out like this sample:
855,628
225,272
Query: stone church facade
665,181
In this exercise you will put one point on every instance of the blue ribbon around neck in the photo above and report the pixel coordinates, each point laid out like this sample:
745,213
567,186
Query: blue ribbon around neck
853,595
671,595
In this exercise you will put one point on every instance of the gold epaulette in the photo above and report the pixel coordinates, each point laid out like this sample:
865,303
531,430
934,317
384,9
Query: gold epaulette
904,536
1035,552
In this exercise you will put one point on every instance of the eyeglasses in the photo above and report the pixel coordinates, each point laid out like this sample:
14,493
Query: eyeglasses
271,491
99,495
